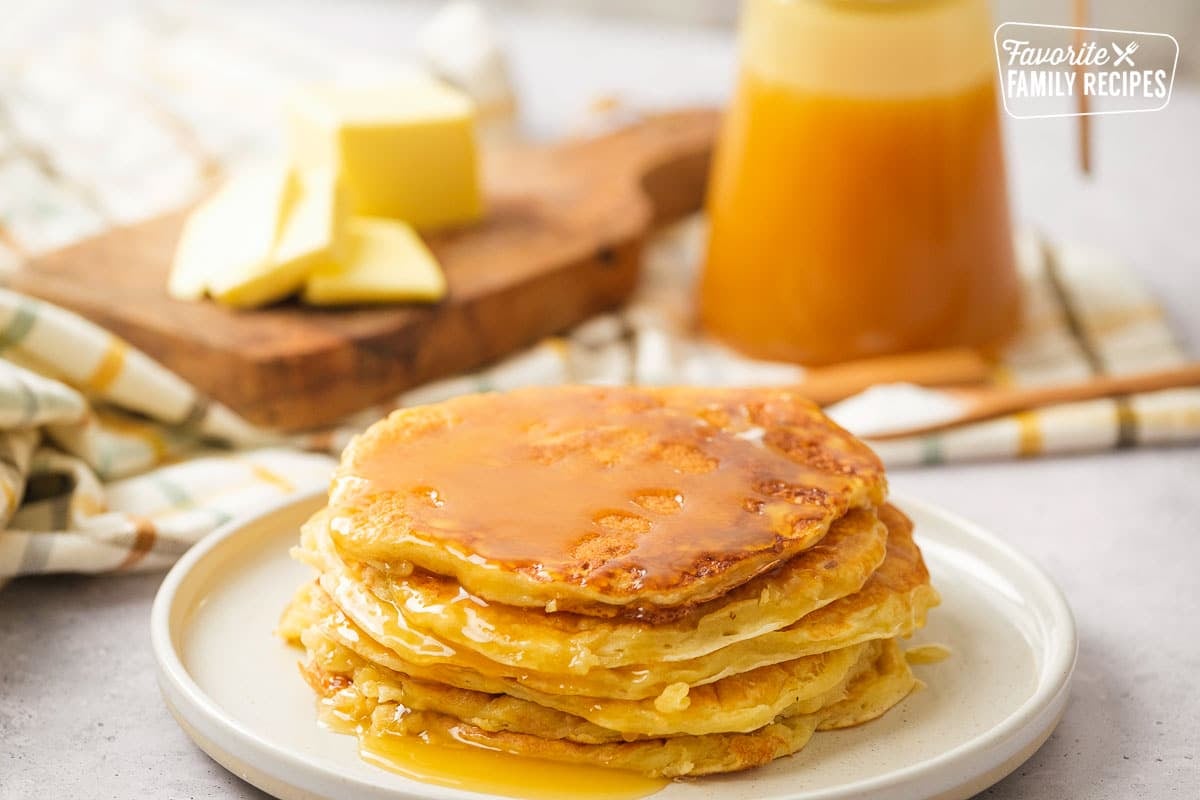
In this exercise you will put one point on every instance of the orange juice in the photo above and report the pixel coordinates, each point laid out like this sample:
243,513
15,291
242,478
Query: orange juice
857,205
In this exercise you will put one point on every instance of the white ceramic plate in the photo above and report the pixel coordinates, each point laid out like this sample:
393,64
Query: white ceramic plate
235,689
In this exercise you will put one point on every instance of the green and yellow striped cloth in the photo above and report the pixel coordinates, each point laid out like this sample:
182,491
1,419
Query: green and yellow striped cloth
108,461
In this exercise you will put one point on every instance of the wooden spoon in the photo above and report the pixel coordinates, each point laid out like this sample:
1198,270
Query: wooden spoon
983,404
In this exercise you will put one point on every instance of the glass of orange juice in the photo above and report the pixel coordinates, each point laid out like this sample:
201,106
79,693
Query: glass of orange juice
857,205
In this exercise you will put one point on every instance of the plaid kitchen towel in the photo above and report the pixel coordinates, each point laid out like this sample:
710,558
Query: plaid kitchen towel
109,462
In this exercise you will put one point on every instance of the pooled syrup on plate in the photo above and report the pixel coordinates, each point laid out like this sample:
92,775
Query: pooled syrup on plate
477,769
474,768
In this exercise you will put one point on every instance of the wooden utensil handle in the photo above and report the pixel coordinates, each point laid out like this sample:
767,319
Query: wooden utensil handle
950,367
993,403
1102,386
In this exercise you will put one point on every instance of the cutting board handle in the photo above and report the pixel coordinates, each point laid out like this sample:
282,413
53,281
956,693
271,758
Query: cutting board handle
667,154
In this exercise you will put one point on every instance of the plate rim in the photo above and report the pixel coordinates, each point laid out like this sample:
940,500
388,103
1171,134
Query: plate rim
199,715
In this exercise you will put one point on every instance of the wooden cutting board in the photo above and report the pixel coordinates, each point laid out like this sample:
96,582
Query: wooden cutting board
562,241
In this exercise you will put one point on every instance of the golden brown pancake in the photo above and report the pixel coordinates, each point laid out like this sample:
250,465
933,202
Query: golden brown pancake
565,642
893,602
739,703
586,497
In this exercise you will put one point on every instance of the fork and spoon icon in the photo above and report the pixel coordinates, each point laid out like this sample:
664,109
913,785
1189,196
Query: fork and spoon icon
1124,55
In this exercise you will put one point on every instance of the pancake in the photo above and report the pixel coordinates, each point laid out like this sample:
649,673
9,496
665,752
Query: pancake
564,642
740,702
392,705
870,695
587,499
893,602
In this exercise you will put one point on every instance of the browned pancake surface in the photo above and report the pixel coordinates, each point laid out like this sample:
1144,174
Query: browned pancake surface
579,495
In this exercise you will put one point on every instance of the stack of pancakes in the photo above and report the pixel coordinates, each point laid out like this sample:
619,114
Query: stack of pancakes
669,581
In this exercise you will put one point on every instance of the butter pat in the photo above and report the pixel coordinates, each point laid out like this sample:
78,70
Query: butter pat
307,238
405,151
233,231
383,261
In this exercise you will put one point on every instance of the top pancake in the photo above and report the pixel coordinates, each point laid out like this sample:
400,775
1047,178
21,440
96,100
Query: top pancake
567,497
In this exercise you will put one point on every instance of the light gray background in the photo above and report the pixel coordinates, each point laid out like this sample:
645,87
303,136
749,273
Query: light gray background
80,714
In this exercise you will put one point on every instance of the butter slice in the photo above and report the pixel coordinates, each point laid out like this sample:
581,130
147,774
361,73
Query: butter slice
406,150
233,231
307,239
194,252
383,261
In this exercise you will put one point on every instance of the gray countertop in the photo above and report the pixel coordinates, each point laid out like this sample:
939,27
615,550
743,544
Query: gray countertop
80,714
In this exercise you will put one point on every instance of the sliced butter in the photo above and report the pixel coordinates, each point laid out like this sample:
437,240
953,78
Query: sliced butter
308,238
233,231
194,252
406,150
383,261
